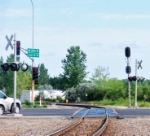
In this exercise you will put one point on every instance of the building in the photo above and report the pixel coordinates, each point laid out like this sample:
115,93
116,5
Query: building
52,94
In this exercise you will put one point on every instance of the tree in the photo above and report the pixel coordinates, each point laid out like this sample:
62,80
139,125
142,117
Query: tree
1,75
46,87
58,82
8,77
100,73
83,90
74,66
23,80
43,77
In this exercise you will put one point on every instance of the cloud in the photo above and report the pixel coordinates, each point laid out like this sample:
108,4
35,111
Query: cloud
96,44
121,16
66,11
15,13
49,55
132,45
111,16
137,17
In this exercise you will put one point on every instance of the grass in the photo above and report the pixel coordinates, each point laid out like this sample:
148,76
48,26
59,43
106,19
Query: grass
33,105
104,102
120,102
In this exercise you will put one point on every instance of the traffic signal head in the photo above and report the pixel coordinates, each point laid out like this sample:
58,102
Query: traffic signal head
18,48
127,52
14,66
5,66
128,69
35,74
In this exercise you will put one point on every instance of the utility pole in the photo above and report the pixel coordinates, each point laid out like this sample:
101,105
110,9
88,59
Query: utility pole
129,101
15,73
137,66
135,103
128,71
33,48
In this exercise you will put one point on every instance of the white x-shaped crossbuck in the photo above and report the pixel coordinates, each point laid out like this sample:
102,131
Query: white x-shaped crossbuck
9,42
139,64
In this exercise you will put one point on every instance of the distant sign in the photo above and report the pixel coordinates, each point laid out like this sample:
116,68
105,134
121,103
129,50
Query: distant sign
32,52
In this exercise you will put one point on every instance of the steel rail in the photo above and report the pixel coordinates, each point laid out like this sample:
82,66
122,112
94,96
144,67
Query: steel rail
102,129
71,126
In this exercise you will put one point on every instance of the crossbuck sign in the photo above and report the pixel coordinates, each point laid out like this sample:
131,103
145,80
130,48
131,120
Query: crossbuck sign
139,64
9,42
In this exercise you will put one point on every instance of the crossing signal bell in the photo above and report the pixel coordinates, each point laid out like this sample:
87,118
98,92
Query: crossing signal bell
18,48
35,74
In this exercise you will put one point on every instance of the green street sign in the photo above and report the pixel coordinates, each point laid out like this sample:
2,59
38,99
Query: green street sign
32,52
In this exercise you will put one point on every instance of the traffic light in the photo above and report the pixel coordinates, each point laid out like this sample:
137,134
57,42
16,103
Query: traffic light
5,66
127,52
14,66
128,69
35,74
134,78
18,48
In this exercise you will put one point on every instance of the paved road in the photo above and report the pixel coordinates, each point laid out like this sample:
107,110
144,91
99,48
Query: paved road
133,112
48,112
69,112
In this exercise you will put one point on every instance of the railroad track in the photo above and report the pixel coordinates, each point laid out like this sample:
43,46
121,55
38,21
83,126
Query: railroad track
84,126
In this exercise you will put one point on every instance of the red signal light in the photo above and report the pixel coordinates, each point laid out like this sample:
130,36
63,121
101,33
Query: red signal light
18,48
5,66
18,43
35,74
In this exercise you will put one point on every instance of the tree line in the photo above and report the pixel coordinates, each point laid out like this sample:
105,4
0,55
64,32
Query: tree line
73,80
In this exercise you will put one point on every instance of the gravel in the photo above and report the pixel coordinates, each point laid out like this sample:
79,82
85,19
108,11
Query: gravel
139,126
40,126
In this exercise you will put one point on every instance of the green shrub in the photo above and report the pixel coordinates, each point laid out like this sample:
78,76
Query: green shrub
27,102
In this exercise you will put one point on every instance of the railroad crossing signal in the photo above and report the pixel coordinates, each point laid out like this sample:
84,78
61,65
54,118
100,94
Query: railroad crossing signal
9,42
5,66
14,67
134,78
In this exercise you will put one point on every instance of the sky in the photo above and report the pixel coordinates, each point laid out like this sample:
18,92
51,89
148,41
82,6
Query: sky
102,29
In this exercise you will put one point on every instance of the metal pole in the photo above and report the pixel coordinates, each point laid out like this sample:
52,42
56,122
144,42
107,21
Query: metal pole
129,93
14,74
32,47
135,84
129,102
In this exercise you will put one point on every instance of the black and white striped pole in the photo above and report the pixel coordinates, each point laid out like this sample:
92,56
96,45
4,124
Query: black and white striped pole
128,71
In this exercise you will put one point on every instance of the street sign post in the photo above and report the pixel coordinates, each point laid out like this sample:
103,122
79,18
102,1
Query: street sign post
33,52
